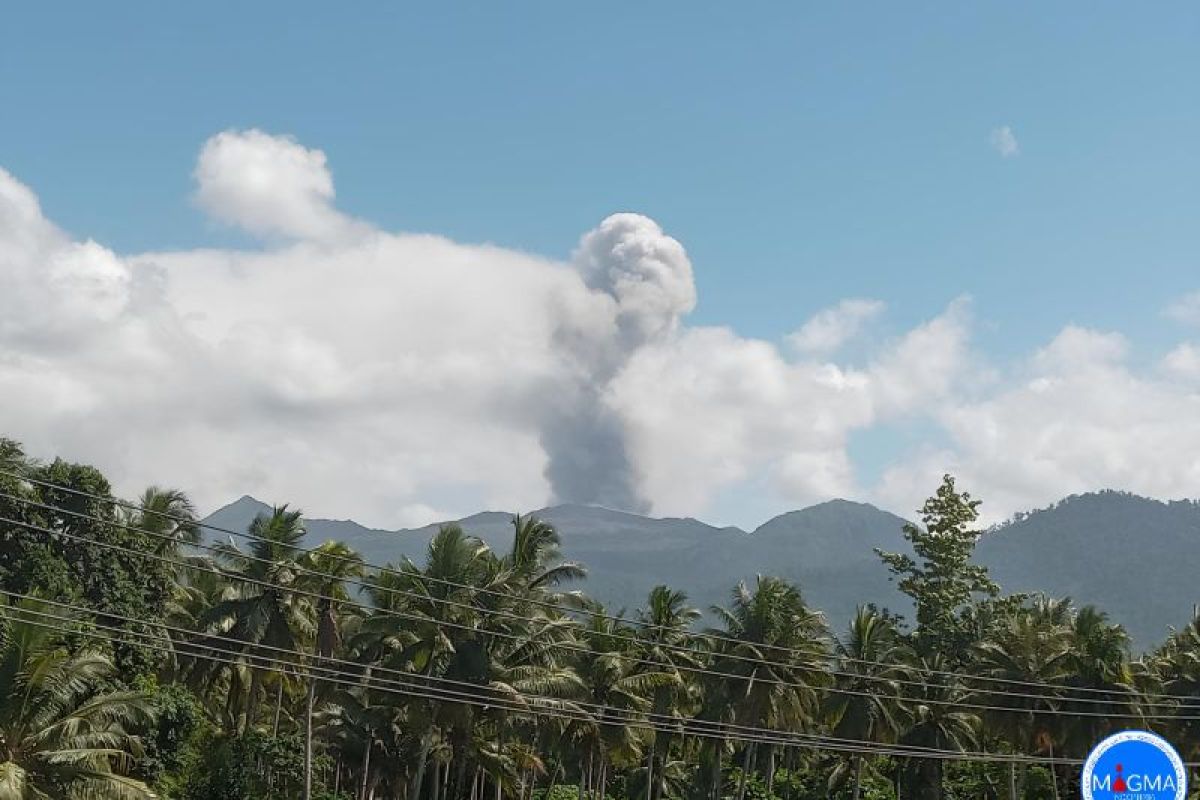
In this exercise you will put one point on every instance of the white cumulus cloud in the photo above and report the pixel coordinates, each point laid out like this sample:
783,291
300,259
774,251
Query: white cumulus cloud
1076,416
270,186
401,378
710,408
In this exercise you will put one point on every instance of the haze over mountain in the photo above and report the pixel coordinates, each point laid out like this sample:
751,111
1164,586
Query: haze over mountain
1132,556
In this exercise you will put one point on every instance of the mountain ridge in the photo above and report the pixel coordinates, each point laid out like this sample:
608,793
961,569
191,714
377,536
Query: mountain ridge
1079,547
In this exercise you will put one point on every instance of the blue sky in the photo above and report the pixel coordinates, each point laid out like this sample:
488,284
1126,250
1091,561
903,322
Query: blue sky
802,153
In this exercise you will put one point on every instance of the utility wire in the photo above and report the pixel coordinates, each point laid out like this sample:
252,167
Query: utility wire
678,648
713,636
556,707
1105,695
582,649
388,570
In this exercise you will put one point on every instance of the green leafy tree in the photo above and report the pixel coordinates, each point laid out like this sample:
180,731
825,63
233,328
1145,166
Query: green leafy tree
939,577
251,766
31,561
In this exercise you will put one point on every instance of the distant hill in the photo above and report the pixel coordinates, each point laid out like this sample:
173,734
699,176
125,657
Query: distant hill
1129,555
1137,558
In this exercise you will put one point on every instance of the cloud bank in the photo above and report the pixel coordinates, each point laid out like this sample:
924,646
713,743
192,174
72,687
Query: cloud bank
401,378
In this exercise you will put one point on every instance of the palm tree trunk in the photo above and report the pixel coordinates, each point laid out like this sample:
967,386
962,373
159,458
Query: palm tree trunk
599,769
460,771
747,759
585,778
231,701
364,783
662,749
718,752
650,774
857,777
771,771
1053,770
414,791
553,780
252,700
1012,780
278,706
500,758
308,736
436,789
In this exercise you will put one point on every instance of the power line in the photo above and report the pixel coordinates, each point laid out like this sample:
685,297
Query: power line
368,679
679,648
1106,695
466,699
584,649
368,673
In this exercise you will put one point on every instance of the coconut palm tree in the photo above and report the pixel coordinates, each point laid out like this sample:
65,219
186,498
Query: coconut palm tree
614,682
168,515
324,572
60,734
1033,646
262,606
665,647
1099,662
777,647
873,660
198,587
1174,668
434,621
934,721
536,561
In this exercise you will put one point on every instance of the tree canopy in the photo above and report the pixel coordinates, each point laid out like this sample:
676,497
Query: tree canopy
139,658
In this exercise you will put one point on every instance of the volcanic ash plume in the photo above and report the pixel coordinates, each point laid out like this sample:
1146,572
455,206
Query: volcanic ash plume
642,284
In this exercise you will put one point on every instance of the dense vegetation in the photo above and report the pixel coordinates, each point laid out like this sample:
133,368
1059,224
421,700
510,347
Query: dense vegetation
137,659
